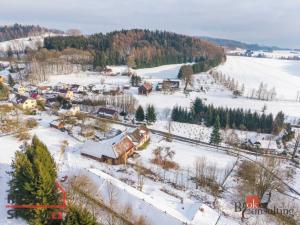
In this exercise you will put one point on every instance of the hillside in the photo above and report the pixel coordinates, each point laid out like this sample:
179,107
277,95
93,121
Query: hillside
232,44
17,31
283,75
139,48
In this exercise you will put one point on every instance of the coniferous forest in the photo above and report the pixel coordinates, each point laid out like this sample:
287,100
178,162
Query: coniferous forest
143,48
21,31
229,118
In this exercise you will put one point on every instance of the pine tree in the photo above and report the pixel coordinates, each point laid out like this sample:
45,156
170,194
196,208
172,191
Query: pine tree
215,137
33,181
139,114
11,81
151,114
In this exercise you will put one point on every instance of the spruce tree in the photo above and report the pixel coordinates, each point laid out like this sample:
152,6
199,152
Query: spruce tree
33,181
151,114
215,137
11,81
139,114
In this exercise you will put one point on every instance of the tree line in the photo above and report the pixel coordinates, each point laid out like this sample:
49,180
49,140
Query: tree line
228,118
201,65
20,31
150,114
142,48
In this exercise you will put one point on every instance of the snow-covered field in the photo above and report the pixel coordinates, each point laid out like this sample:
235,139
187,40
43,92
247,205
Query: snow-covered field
276,54
21,44
284,75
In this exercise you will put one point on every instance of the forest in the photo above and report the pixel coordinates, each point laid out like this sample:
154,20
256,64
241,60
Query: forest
229,118
21,31
139,48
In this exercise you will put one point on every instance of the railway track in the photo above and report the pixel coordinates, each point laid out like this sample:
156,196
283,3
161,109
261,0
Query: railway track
242,153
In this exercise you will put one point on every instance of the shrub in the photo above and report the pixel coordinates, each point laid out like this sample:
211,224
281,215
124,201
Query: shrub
31,123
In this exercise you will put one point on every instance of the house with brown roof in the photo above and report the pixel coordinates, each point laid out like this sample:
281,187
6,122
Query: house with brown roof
140,136
145,89
112,151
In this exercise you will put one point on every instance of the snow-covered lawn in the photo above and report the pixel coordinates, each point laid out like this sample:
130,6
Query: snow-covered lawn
284,75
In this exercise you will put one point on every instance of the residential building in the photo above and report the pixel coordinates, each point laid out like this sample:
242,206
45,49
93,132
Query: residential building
113,151
108,113
145,89
26,103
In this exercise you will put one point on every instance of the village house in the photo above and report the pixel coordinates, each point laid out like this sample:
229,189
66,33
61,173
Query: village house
168,85
2,79
108,113
76,88
145,89
260,143
140,136
38,97
69,95
43,89
26,103
19,89
112,151
72,111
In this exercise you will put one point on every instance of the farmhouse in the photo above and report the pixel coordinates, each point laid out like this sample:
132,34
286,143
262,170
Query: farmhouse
25,102
113,151
168,85
145,89
108,113
140,135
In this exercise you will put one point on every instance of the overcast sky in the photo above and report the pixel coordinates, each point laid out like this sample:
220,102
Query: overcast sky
270,22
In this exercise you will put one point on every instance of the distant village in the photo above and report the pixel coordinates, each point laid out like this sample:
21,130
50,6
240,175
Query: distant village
85,112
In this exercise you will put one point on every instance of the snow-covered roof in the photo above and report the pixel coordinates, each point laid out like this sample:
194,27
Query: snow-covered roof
112,148
4,73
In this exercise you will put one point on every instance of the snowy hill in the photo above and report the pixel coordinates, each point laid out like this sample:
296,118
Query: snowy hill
284,75
19,45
